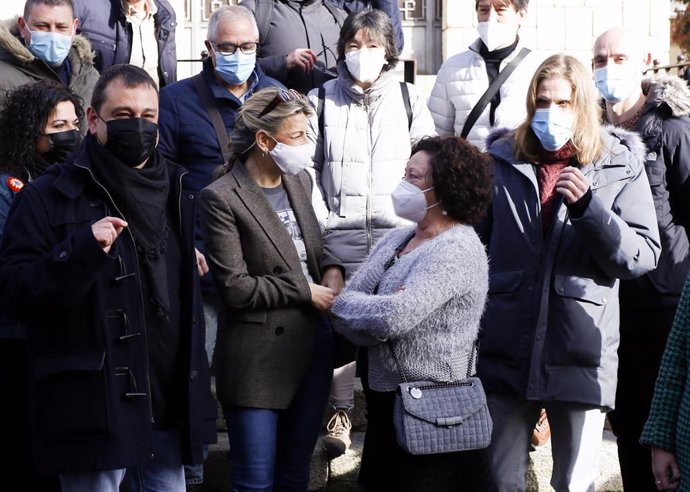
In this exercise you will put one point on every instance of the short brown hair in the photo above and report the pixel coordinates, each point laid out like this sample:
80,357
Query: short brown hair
460,174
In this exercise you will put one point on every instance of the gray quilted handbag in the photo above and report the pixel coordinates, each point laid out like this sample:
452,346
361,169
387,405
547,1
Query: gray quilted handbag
431,417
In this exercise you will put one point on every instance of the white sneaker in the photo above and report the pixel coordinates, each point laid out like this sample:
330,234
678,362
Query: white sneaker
338,441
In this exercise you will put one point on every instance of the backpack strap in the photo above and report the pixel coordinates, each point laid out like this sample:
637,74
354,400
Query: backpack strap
406,100
502,76
213,113
263,13
319,107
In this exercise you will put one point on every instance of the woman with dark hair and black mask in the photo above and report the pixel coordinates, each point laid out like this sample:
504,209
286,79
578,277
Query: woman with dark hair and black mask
39,126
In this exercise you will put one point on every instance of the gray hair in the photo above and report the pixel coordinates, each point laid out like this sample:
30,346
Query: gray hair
233,13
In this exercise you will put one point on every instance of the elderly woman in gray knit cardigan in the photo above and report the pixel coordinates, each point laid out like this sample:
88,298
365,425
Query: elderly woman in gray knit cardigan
423,288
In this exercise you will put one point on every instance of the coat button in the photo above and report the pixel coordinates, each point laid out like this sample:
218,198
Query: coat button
277,270
62,255
190,196
279,330
193,375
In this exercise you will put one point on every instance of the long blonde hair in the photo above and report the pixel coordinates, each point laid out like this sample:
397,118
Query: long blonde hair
584,105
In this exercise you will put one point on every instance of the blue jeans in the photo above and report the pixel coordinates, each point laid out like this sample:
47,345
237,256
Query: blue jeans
271,449
163,474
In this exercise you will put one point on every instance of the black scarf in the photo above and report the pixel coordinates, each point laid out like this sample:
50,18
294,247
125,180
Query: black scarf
142,197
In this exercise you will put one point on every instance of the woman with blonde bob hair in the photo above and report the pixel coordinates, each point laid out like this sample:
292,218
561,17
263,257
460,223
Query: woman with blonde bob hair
273,358
571,214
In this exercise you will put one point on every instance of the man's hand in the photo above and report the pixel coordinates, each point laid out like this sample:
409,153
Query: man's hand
201,264
321,297
665,469
333,278
301,58
572,184
107,230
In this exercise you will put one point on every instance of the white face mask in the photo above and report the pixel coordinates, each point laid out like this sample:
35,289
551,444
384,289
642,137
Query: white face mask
409,201
616,82
496,35
292,159
365,65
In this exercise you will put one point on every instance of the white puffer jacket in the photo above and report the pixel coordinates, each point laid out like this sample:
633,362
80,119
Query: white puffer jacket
360,158
460,83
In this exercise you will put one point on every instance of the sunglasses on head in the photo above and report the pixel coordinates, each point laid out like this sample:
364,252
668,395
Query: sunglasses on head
282,97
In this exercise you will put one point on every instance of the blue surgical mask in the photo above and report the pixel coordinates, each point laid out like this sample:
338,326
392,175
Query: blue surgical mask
553,127
50,47
616,82
235,69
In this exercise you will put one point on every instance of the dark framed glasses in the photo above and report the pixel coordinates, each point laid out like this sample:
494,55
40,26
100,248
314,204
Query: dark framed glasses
230,49
283,96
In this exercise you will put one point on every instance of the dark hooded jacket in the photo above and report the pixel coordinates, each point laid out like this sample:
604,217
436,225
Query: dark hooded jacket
550,329
104,23
664,126
18,66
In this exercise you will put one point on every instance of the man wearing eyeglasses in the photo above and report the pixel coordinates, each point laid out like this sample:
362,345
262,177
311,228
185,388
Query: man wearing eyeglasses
197,115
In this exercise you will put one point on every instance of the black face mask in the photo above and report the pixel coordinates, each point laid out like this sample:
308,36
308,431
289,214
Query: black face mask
131,140
62,144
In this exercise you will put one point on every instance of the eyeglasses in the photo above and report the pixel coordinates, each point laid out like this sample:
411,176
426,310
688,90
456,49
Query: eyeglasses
282,97
230,49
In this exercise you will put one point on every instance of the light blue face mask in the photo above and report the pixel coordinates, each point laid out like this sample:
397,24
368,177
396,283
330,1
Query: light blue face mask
553,127
235,69
616,82
50,47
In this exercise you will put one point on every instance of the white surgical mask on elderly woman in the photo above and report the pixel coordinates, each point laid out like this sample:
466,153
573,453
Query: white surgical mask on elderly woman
553,127
409,201
292,159
365,64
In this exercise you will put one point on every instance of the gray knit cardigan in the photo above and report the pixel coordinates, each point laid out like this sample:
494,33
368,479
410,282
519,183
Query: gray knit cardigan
429,305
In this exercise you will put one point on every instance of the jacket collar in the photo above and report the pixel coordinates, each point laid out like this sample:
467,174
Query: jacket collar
219,91
261,209
70,175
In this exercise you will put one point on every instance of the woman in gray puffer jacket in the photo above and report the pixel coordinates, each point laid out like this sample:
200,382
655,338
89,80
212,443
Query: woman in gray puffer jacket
367,122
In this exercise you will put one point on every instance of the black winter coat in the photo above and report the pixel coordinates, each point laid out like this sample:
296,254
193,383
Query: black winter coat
664,126
88,362
104,23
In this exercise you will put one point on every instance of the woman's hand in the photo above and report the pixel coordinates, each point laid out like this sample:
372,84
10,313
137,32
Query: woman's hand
333,278
321,297
665,469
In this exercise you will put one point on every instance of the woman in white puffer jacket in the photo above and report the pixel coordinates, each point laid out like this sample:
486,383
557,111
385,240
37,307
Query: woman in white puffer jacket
366,124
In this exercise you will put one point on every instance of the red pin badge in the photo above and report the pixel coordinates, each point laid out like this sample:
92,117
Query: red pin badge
14,184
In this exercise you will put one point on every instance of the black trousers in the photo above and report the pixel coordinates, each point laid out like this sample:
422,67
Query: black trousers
385,466
14,420
642,343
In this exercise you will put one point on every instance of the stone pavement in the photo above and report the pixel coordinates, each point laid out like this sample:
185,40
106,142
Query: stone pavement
340,475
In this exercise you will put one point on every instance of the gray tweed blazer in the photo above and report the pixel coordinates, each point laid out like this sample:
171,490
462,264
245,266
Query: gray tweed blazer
267,325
